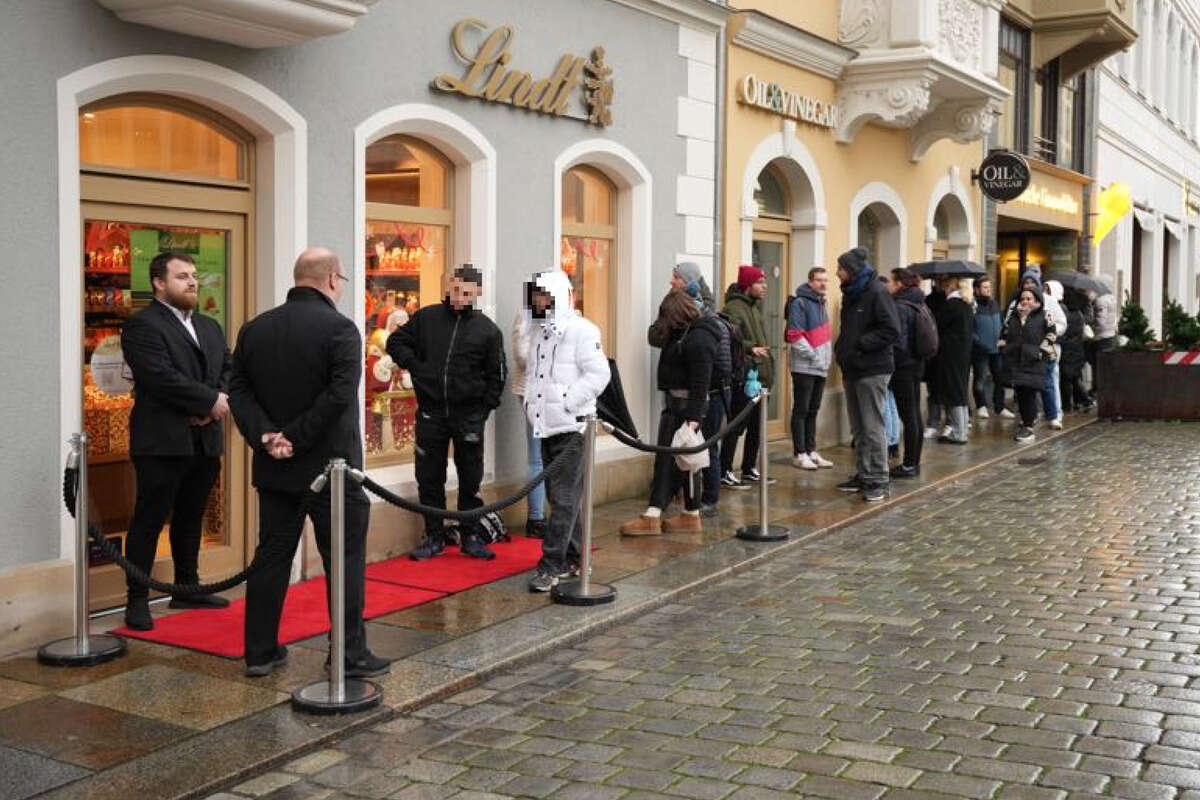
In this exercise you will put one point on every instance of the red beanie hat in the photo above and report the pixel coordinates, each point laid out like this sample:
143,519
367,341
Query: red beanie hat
748,275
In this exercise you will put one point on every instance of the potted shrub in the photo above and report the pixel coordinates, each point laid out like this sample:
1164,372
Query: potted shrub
1149,379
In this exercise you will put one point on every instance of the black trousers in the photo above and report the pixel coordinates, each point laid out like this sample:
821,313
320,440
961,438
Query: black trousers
1027,404
280,523
434,436
1071,391
807,391
985,368
711,475
1091,349
906,387
564,533
753,434
668,479
176,487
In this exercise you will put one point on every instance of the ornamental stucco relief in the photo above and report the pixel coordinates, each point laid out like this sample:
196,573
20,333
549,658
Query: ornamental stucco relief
864,23
960,31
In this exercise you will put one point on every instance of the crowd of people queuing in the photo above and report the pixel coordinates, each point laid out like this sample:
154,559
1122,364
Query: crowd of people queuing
291,386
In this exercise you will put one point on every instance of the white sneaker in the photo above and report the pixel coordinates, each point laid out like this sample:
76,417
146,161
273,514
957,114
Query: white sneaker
1056,424
947,431
982,412
931,433
804,462
823,463
1006,414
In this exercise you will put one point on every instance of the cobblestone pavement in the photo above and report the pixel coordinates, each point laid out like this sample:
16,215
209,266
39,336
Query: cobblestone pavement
1031,633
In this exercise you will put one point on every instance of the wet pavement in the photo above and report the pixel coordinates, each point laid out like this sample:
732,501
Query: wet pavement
898,652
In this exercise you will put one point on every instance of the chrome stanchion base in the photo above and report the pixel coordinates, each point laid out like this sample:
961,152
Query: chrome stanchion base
571,593
317,698
756,533
65,652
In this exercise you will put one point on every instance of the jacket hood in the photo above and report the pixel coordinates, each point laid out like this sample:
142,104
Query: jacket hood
557,285
735,292
1034,274
1055,289
808,293
912,294
1041,298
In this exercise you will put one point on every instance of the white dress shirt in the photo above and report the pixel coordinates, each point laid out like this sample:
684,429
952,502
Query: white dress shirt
183,316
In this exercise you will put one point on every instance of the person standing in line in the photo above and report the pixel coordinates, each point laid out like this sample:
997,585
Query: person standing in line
955,328
985,353
937,414
180,364
905,383
809,337
891,414
743,306
869,328
535,518
1073,359
689,345
1027,344
294,394
567,372
455,355
1107,316
1057,321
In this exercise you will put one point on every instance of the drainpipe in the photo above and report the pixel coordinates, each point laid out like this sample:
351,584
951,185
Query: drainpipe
719,174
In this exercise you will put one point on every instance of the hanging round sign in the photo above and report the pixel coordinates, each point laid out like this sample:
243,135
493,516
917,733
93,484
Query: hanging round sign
1003,175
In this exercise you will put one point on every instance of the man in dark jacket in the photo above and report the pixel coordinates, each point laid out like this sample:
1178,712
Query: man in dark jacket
864,352
985,352
180,366
455,356
906,379
294,393
743,307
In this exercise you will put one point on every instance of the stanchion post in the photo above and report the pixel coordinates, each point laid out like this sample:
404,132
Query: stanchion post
764,531
337,695
82,650
583,592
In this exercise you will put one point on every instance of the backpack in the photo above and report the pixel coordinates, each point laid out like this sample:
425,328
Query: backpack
737,350
491,530
787,313
925,333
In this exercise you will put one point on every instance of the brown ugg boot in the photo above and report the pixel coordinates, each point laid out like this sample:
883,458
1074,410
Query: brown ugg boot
641,526
682,523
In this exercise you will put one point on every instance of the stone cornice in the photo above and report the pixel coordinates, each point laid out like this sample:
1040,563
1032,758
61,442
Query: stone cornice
710,14
761,33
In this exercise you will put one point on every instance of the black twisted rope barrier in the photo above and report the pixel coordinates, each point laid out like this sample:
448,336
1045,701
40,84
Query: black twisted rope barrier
737,423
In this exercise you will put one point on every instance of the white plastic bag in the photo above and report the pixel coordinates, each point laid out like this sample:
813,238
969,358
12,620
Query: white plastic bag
686,437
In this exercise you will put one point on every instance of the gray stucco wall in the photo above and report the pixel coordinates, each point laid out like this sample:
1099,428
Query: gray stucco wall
334,83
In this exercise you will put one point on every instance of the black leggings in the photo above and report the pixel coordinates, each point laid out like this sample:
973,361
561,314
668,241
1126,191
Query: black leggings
1027,404
906,387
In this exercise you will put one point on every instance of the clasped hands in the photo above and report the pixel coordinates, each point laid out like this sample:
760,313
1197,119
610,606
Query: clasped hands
218,412
277,445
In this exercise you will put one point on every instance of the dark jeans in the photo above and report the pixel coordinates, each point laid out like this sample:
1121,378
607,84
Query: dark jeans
434,435
280,524
1091,350
985,370
668,478
1027,404
906,387
806,402
1072,392
711,476
564,533
175,487
729,444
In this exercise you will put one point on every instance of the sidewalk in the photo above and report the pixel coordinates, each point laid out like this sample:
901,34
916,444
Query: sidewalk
170,723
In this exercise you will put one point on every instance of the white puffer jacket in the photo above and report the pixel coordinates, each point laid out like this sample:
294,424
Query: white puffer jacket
566,369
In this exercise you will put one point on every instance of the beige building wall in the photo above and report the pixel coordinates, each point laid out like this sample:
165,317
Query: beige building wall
820,18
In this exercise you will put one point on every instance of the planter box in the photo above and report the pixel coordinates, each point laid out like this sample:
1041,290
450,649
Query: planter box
1141,385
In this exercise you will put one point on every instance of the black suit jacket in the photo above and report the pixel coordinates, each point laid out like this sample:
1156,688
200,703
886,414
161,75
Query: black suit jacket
296,369
174,378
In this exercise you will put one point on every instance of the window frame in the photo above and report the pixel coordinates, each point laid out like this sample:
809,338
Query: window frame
572,229
1016,47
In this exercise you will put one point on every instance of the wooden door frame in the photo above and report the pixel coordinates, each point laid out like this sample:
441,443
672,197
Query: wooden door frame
779,231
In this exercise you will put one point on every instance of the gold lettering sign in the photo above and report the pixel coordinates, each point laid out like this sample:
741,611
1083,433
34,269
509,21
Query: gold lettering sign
488,76
786,103
1039,196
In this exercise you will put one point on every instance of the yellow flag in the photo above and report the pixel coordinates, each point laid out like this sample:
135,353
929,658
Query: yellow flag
1115,202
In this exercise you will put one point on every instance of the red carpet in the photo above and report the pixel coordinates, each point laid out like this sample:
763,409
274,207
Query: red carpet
453,572
391,586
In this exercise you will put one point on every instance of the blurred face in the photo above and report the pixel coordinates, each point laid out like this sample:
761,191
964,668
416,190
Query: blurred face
948,285
542,302
1028,283
758,289
887,283
819,282
463,293
181,287
843,275
677,282
984,290
1027,302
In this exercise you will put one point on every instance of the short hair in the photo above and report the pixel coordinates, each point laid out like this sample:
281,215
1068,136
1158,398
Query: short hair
678,309
982,279
314,264
467,272
815,271
906,277
158,264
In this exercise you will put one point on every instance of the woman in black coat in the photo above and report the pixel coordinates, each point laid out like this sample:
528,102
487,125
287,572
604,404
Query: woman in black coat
952,367
1074,356
1027,342
935,300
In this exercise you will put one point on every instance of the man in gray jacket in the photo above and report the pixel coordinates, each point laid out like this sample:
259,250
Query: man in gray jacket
810,351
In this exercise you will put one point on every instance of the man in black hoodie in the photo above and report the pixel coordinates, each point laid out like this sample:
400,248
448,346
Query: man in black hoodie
869,328
455,357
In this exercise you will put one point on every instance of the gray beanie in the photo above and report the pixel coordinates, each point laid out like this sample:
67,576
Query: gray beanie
854,261
689,271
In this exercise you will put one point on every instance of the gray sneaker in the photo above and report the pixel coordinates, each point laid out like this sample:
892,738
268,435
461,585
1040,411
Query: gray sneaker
874,494
542,581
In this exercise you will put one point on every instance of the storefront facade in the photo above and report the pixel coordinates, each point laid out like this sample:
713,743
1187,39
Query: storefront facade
421,136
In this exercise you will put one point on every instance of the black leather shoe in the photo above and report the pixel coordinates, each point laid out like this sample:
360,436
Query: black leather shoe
472,546
365,666
433,545
137,615
535,529
199,601
904,471
263,670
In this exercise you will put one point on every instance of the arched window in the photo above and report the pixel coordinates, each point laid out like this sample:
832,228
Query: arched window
879,233
589,234
165,136
409,214
771,195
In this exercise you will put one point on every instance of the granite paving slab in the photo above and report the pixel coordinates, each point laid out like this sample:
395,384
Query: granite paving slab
25,774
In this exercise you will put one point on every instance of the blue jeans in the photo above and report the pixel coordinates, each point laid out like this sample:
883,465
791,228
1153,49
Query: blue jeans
537,498
1050,404
891,420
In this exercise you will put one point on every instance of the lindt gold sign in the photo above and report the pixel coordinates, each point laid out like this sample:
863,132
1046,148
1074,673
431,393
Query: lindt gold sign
489,78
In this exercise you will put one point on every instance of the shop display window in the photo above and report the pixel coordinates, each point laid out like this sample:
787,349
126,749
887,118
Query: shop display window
408,234
588,245
116,284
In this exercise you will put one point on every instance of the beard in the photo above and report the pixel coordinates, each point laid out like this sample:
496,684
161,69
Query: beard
183,300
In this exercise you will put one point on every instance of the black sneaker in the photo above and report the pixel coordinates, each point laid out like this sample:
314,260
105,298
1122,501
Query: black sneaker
263,670
893,451
535,529
434,545
850,485
873,494
137,615
542,581
1024,435
365,666
730,480
750,476
709,510
474,547
904,471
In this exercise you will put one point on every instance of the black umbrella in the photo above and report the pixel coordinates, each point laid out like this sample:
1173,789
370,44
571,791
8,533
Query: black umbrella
611,406
1081,282
948,269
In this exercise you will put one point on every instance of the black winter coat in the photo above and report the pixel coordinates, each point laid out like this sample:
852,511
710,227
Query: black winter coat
906,345
934,301
455,358
1024,360
1070,363
870,327
956,325
687,363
